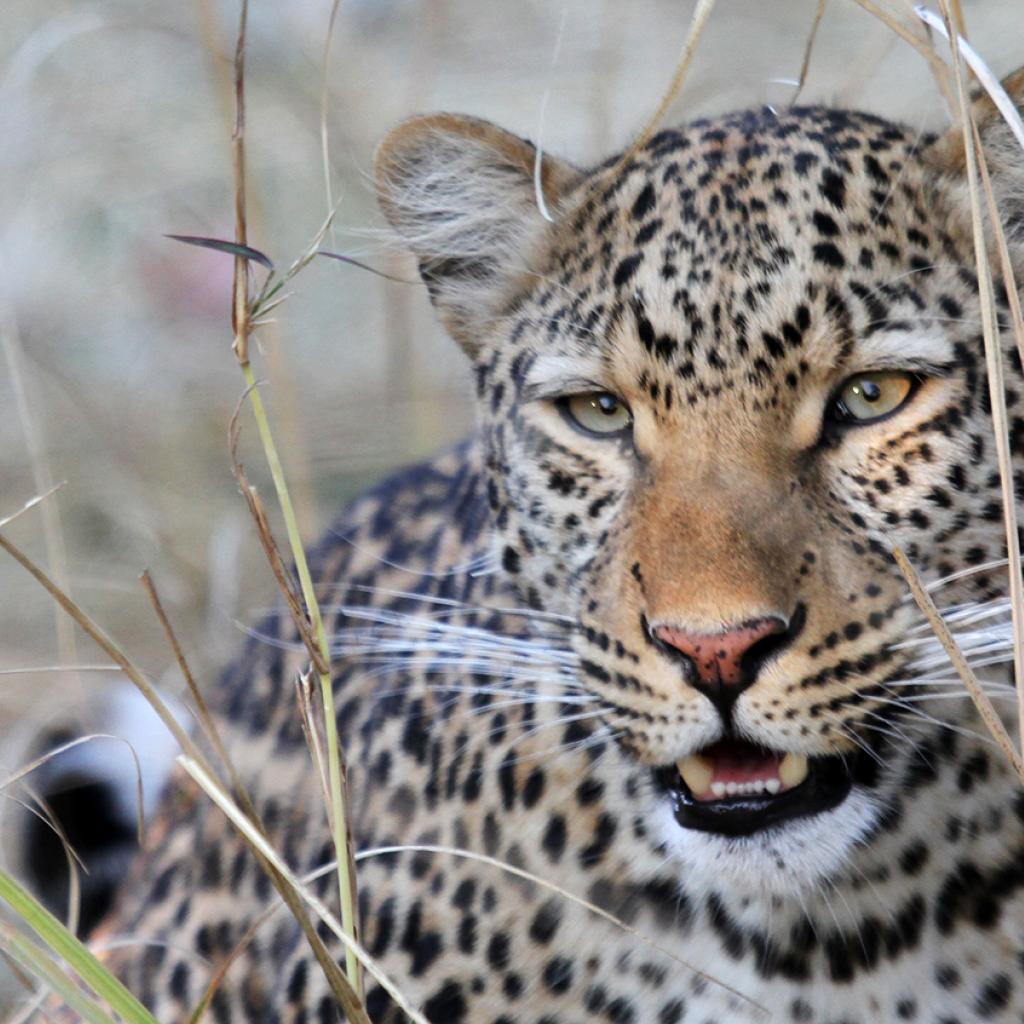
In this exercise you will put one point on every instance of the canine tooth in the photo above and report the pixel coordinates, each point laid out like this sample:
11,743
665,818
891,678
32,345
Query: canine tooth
696,772
718,789
773,786
792,770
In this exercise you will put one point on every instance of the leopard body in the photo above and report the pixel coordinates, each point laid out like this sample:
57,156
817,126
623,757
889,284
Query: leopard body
500,701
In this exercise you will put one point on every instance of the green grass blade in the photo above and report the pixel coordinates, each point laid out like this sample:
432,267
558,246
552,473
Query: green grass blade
39,962
72,952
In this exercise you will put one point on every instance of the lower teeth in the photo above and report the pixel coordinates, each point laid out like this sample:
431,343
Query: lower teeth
723,789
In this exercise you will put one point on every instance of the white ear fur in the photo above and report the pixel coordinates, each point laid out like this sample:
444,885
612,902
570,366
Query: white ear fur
461,193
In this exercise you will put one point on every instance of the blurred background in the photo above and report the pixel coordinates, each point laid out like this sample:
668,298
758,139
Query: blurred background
116,374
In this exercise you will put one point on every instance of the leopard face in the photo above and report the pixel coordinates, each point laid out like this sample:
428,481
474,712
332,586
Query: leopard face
730,374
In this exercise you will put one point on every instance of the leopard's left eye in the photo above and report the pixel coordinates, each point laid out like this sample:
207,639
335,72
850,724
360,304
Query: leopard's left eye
867,397
597,412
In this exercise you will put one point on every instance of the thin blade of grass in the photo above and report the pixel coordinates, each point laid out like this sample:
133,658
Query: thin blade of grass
336,980
40,809
572,898
241,319
338,816
30,504
258,843
77,742
325,148
206,721
78,958
244,252
989,82
994,368
240,285
700,17
939,69
352,262
35,960
42,478
986,709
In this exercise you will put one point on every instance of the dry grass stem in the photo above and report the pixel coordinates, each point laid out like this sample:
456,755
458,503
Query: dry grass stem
258,843
21,773
700,17
919,43
41,810
1005,262
107,645
335,979
985,707
48,669
308,720
30,504
325,147
268,542
993,364
805,65
240,285
206,720
241,318
53,532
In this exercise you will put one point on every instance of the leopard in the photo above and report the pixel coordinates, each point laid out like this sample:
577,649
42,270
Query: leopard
642,722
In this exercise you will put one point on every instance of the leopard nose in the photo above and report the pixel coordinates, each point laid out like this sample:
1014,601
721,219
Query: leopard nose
723,664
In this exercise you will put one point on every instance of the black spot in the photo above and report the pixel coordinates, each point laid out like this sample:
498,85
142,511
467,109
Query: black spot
827,253
545,922
558,974
825,224
553,842
994,996
644,203
833,188
447,1006
626,269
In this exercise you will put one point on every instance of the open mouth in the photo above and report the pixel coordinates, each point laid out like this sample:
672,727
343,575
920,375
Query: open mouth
735,788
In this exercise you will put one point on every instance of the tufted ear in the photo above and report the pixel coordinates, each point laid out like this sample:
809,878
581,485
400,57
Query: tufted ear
1004,155
461,193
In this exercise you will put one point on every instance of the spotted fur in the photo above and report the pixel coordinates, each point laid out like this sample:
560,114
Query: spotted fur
498,690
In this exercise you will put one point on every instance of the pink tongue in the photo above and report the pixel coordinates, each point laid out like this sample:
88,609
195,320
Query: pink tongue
735,761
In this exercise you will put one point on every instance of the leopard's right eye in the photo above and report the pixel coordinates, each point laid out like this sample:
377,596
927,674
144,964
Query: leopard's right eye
598,413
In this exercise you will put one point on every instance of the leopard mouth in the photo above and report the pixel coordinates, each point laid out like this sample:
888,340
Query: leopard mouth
735,788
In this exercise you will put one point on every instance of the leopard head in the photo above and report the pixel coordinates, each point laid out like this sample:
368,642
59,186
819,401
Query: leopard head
719,379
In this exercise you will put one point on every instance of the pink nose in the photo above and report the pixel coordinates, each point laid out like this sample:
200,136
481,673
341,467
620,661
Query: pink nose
718,657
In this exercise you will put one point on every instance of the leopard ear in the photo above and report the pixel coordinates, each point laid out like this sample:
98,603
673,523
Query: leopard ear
1004,155
461,193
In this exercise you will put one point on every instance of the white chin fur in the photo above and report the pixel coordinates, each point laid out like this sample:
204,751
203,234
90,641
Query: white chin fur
785,861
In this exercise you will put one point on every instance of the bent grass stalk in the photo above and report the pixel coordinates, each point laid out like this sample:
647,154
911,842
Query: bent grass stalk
335,766
337,981
258,843
241,310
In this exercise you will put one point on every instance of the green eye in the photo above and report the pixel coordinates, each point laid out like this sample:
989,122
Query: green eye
872,396
597,412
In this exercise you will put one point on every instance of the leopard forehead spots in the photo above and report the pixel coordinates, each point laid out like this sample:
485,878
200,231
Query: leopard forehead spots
642,636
